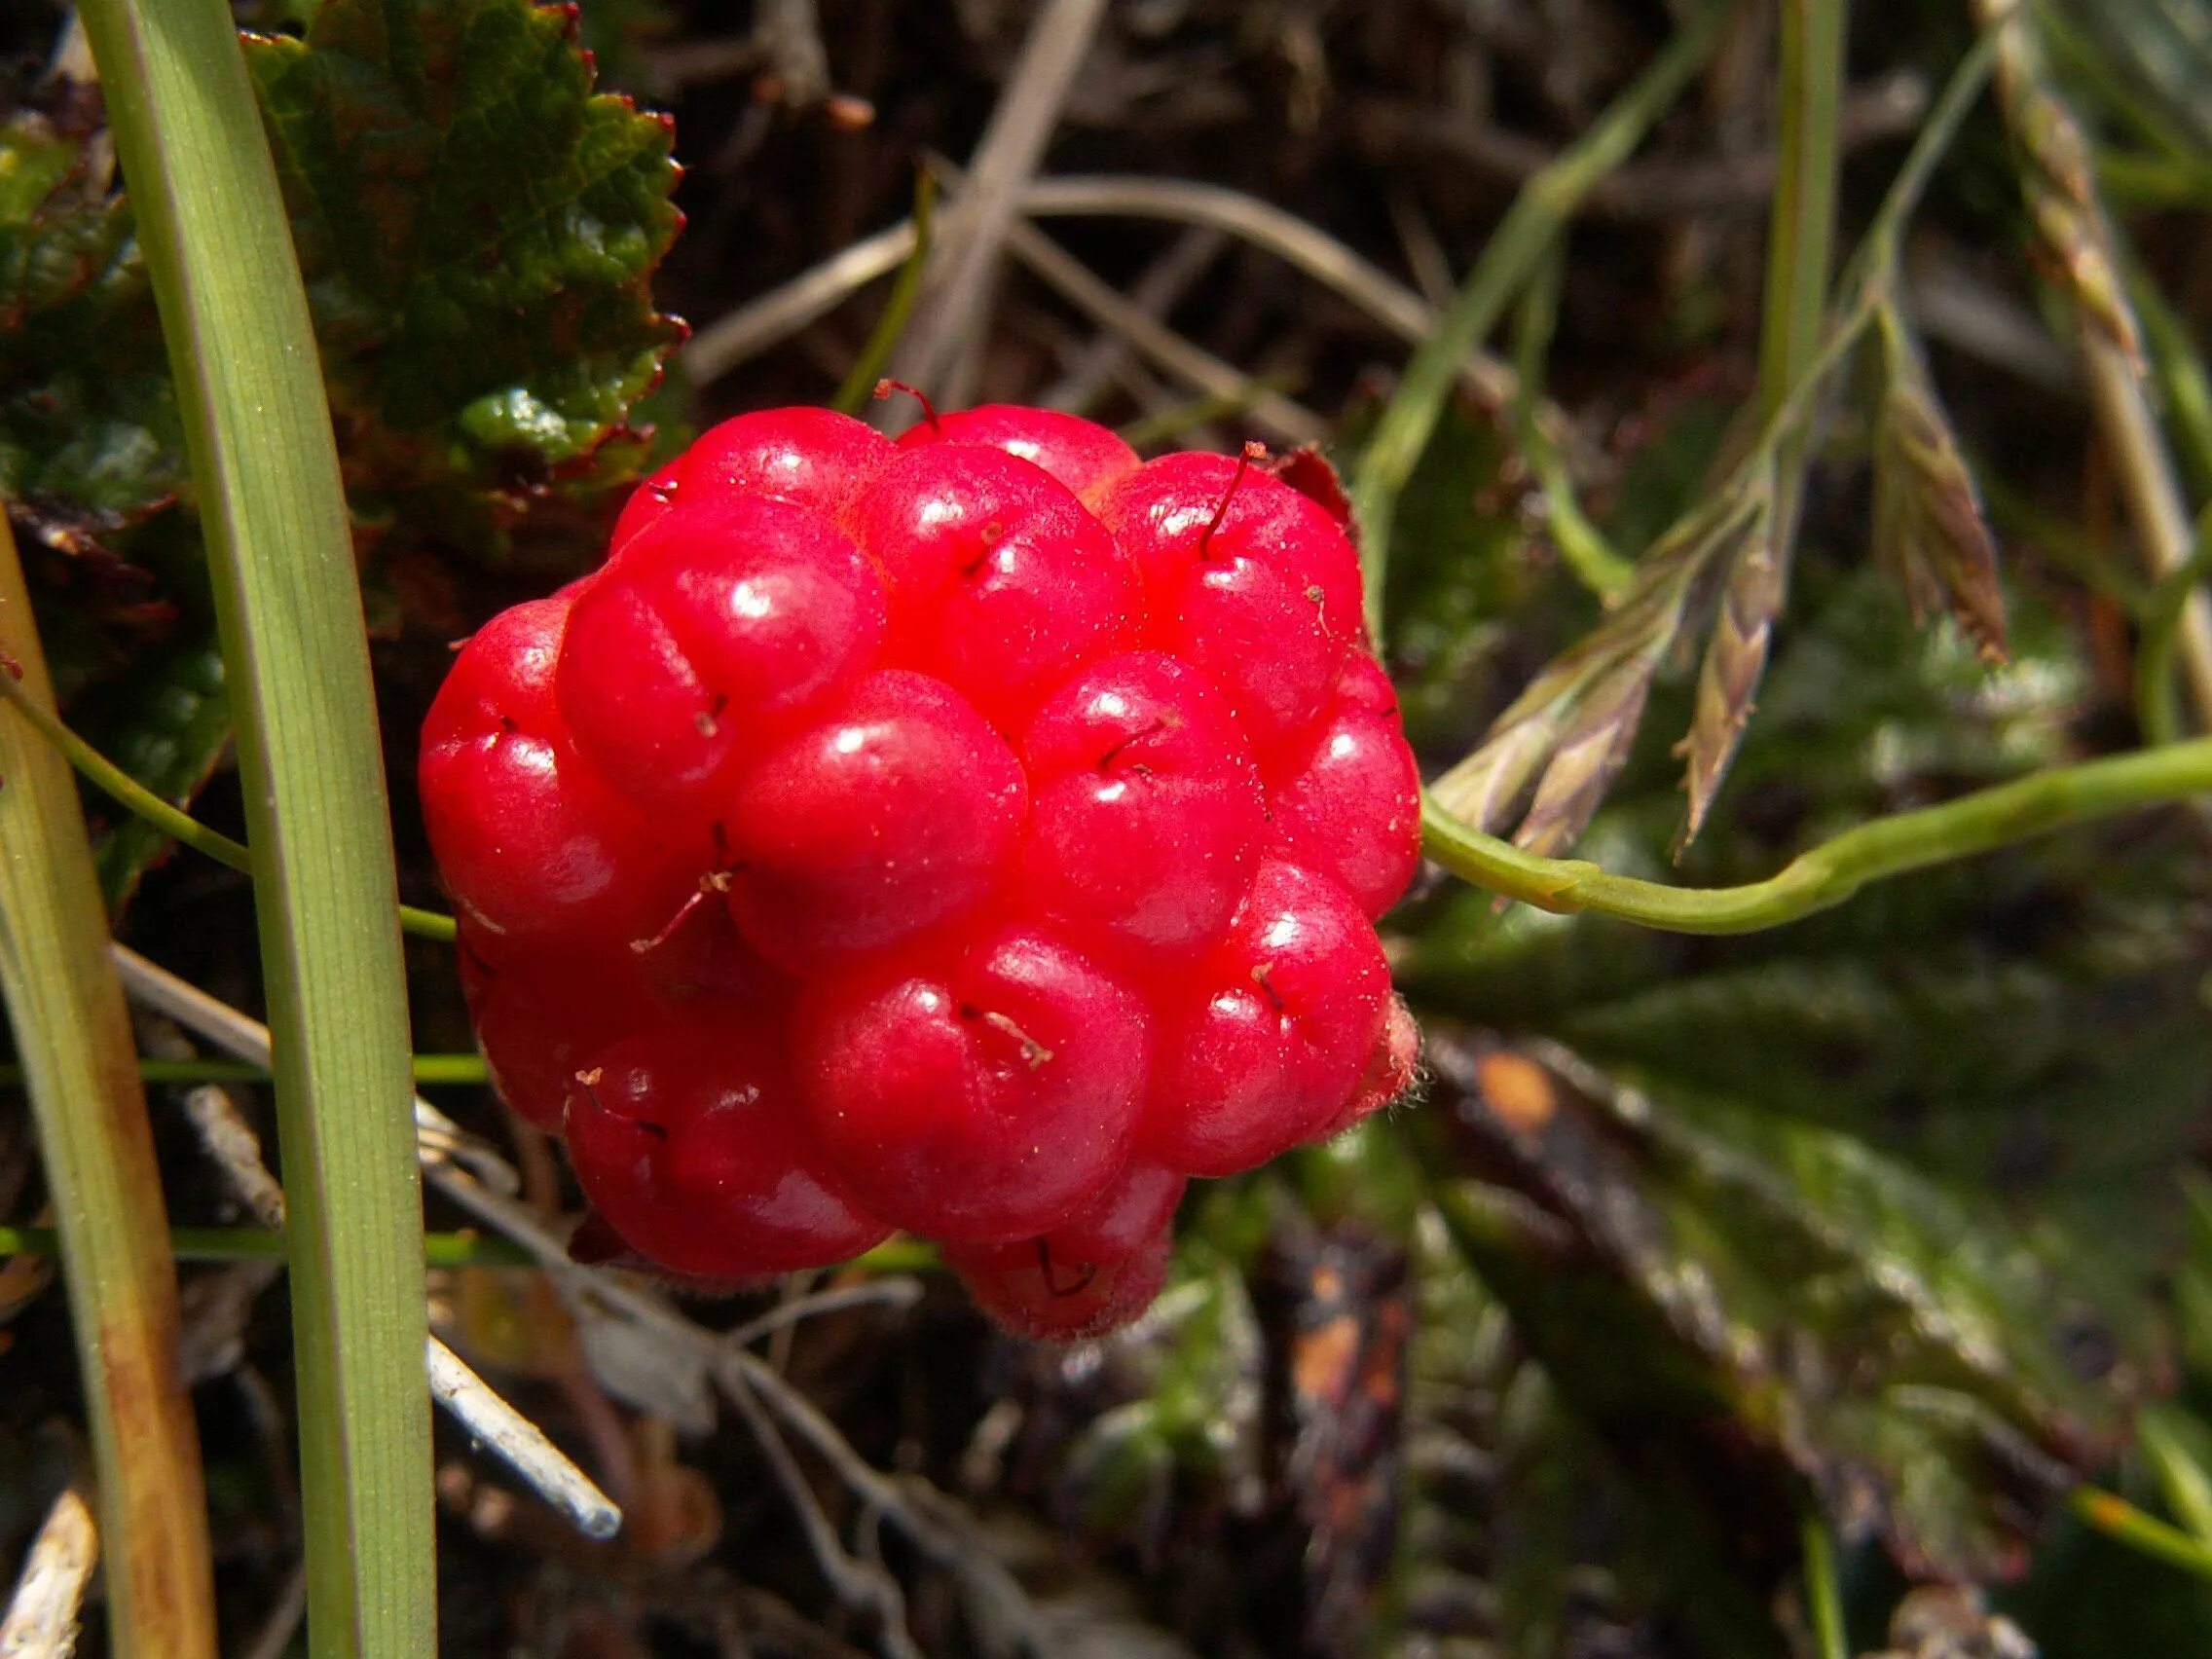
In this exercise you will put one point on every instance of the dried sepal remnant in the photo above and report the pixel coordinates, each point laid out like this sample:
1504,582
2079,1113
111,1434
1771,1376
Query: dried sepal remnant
1929,527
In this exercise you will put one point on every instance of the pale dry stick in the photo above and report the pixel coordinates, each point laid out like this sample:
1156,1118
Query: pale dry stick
43,1613
958,282
155,987
520,1443
894,1291
494,1422
988,1586
1280,416
790,35
781,313
1156,292
856,1582
491,1201
759,324
1290,239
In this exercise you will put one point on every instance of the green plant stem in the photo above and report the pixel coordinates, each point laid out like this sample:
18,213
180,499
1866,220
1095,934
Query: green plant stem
1580,542
73,1034
1831,873
1823,1607
861,380
168,818
2183,382
1801,228
265,1244
2137,450
2116,1518
429,1069
2161,635
212,226
1545,204
901,1253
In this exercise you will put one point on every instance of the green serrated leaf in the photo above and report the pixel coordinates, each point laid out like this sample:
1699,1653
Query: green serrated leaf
88,419
1768,1298
477,228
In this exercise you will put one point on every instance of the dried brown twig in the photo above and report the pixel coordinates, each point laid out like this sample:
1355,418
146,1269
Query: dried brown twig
940,349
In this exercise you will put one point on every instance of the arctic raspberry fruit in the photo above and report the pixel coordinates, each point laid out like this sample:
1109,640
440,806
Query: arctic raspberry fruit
980,835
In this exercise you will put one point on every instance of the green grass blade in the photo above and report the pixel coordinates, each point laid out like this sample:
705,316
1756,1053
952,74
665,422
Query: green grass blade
288,605
1546,203
73,1036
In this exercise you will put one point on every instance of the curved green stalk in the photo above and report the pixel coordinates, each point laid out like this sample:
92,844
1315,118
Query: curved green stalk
431,1070
1801,229
1824,1606
1581,544
73,1035
1834,871
1545,204
2116,1518
165,816
265,1244
287,599
2160,637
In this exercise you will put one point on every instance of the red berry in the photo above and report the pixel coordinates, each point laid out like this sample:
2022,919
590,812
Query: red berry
1081,454
1128,1216
977,835
1146,808
899,810
1392,1070
1347,800
1264,1045
1034,1294
809,458
1248,579
731,617
1004,584
989,1097
646,503
529,841
687,1140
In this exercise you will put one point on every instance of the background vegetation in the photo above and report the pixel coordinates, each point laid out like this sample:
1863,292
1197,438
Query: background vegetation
1800,405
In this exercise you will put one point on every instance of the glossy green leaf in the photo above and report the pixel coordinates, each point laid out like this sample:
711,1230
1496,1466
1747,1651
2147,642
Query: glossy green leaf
89,432
477,228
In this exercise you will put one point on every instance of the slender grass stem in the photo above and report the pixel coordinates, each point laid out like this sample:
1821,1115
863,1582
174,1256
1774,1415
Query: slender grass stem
211,224
1545,204
168,818
1824,1606
1836,869
463,1070
1581,544
73,1035
860,382
266,1244
2118,1518
1801,229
